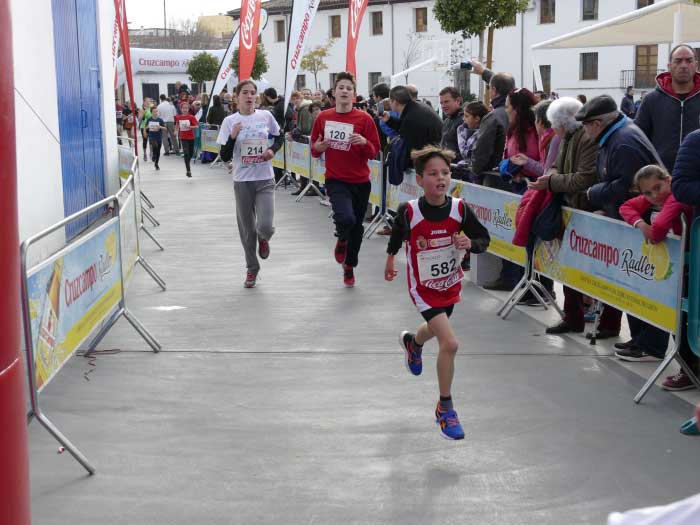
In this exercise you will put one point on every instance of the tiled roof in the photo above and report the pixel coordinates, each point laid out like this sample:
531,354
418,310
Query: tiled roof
278,7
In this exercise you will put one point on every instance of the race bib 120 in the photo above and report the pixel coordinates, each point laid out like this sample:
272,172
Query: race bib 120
338,135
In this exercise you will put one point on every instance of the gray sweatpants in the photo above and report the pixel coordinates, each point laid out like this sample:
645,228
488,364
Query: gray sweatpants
173,137
255,213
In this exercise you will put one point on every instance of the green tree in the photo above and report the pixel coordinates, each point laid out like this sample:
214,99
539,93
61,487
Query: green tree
474,17
203,67
260,66
314,61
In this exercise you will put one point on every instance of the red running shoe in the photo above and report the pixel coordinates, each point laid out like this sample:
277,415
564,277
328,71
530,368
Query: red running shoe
348,276
250,279
341,251
263,249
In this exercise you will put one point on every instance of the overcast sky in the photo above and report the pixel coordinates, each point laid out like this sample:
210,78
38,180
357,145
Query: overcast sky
149,13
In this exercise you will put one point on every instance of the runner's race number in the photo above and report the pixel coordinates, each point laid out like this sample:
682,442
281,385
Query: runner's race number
338,135
252,150
438,264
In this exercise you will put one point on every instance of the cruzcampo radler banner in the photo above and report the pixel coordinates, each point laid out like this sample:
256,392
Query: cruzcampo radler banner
303,14
70,295
611,261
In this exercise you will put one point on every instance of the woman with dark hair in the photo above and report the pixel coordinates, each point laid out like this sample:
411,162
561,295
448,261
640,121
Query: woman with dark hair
217,113
522,138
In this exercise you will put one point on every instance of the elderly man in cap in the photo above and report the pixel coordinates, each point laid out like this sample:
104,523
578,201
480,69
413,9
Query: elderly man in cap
623,149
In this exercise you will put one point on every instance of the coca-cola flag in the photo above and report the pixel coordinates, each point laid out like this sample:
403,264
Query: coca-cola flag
303,13
248,43
356,10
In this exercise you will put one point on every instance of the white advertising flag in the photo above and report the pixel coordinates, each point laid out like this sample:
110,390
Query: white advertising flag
303,13
225,69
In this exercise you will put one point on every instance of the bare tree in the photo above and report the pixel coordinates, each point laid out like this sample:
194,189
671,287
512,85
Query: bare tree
413,52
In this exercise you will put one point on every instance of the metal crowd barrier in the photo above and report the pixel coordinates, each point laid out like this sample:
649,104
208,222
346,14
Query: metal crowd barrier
73,297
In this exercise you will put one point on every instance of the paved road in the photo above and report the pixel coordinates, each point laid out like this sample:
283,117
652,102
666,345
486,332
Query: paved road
289,403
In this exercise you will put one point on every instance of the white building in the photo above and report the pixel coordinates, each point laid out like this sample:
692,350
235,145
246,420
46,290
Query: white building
396,34
65,114
155,72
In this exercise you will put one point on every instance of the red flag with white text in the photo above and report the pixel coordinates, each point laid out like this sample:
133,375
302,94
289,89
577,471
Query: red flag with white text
356,10
248,31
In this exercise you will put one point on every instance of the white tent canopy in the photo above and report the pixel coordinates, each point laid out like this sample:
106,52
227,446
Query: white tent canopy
668,21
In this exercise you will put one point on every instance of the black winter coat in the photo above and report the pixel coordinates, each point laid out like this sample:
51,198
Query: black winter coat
449,133
685,182
667,120
418,126
623,149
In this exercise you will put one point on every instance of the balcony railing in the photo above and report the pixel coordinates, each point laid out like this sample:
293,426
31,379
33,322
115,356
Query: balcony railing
641,78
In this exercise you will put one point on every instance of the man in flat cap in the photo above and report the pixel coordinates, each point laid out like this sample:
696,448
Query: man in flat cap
623,149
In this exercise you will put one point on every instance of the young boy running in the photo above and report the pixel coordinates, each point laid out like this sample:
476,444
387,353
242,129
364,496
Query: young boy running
155,126
432,227
348,137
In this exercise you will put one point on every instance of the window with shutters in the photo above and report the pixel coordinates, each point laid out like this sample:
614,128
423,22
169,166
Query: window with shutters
589,10
377,23
589,66
547,11
420,15
335,26
280,32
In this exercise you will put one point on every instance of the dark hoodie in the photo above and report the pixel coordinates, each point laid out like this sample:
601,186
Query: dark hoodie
666,119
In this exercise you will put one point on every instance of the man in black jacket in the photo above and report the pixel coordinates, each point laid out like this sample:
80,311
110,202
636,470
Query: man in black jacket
622,151
488,151
418,125
671,111
451,105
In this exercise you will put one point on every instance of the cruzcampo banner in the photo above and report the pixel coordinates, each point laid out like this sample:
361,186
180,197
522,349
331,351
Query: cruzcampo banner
278,159
495,209
70,295
129,231
375,177
404,192
611,261
318,169
209,143
299,160
126,159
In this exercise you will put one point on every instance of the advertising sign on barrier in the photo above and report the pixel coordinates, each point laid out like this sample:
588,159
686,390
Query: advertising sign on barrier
129,230
278,159
611,261
375,177
70,294
126,158
300,159
406,191
209,143
496,210
318,169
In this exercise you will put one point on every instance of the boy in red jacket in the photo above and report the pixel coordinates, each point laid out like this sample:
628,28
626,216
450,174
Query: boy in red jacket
348,138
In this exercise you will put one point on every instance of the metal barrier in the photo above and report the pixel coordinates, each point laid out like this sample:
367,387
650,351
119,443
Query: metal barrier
77,292
129,229
127,157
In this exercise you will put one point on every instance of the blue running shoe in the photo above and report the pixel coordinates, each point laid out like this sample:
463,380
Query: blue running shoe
449,424
413,361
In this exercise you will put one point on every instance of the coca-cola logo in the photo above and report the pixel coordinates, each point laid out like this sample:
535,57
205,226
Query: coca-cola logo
247,23
355,8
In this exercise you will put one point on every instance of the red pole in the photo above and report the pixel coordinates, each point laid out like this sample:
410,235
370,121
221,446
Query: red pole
14,459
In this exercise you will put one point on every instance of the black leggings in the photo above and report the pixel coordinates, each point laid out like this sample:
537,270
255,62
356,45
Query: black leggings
188,150
155,151
145,142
